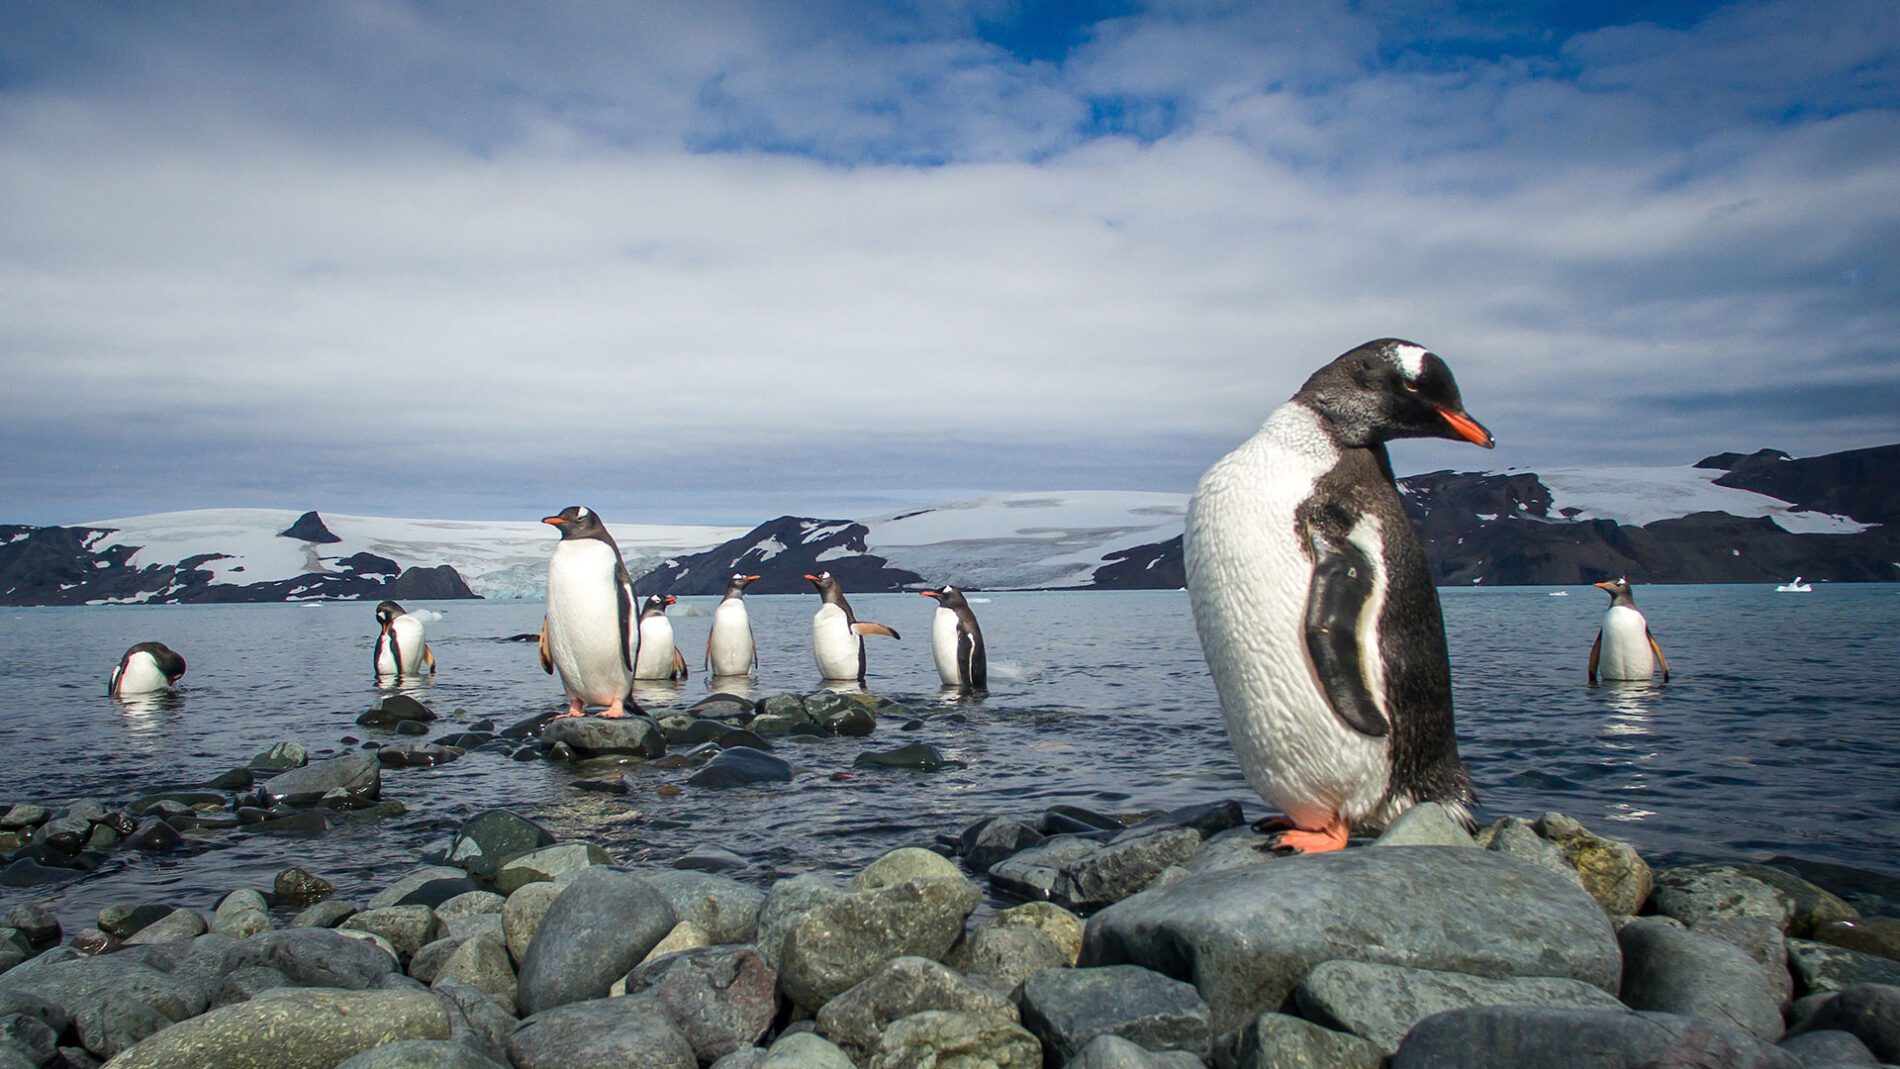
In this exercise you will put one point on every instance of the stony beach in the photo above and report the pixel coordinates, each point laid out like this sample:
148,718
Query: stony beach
1066,937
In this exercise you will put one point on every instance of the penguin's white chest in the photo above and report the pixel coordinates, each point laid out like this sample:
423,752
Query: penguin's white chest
656,649
731,646
584,636
943,646
1625,653
835,647
408,643
1248,580
143,676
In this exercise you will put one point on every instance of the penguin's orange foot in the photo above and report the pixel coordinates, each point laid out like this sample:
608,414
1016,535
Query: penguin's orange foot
1295,840
614,712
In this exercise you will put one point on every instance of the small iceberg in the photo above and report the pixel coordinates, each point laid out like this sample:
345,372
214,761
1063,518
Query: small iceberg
1796,587
1560,593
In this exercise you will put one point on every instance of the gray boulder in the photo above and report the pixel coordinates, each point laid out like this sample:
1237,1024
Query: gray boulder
1380,1003
725,909
1235,848
1530,1037
313,957
785,903
475,1020
1761,941
426,886
994,838
742,767
1870,1012
722,999
547,864
1696,893
1068,1008
1004,957
242,913
113,1001
1674,970
292,1028
1818,967
1516,837
420,1054
804,1050
325,914
1114,1052
488,839
592,935
839,943
1610,869
172,927
1245,937
1830,1048
408,928
1425,824
856,1019
944,1038
482,963
599,1032
358,775
1813,906
1033,873
1118,869
1278,1041
522,913
593,735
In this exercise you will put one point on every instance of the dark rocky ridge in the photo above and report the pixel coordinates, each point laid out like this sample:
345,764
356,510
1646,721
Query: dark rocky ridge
780,552
309,528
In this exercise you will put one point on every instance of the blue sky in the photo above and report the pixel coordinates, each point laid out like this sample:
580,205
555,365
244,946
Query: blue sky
720,261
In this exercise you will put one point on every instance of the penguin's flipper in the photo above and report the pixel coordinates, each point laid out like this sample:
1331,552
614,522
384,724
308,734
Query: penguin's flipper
1596,650
629,629
971,660
706,665
1342,585
1656,647
547,655
679,664
755,644
118,670
866,627
428,657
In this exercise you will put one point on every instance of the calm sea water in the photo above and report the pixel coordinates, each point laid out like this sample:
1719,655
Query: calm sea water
1777,735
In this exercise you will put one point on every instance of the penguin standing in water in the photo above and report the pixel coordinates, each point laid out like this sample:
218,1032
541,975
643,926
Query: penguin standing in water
837,635
731,649
1624,648
659,657
1315,605
400,650
589,633
146,668
957,642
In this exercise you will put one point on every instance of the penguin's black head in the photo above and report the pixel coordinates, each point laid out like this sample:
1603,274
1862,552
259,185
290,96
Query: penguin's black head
387,611
577,521
739,582
1618,589
827,586
1390,389
947,596
656,604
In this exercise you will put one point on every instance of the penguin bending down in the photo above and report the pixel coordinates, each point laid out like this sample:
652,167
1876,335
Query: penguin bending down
589,635
731,649
837,635
145,668
957,642
659,657
400,650
1315,605
1624,648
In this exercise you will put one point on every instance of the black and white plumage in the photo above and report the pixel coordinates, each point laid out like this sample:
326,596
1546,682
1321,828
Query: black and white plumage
146,668
731,649
400,647
1315,606
589,636
837,635
1625,649
956,642
658,655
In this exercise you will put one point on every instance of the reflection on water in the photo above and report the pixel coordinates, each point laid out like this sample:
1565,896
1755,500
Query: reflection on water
737,686
1629,704
655,692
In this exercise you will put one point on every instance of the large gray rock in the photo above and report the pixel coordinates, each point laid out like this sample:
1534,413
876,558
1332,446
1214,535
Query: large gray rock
600,1032
804,1050
1120,868
1034,872
429,885
1516,837
788,901
292,1028
548,863
358,775
408,928
592,935
1763,942
1005,956
420,1054
1813,906
1610,869
1818,967
1279,1041
901,864
856,1019
839,943
1235,848
994,838
1674,970
1830,1048
1425,824
174,926
722,999
592,735
944,1038
1696,893
1114,1052
475,1020
312,957
482,963
114,1001
1380,1003
1871,1012
1068,1008
522,913
725,909
1530,1037
1245,937
487,840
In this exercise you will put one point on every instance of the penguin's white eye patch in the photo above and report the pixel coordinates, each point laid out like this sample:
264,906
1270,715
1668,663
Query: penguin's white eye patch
583,513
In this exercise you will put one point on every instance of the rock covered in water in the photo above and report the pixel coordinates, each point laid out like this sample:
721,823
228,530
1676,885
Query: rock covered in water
357,775
395,710
492,838
299,889
742,767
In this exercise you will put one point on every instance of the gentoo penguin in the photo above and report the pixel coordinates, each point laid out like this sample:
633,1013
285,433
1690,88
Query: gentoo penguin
1624,648
145,668
730,648
659,658
1315,606
588,634
837,635
400,650
956,641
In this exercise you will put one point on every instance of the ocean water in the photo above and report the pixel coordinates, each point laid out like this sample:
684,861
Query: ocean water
1776,736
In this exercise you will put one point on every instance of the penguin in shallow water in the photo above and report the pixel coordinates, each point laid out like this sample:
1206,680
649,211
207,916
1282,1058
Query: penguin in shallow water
589,634
731,649
400,649
146,668
956,641
1624,648
659,657
837,635
1315,605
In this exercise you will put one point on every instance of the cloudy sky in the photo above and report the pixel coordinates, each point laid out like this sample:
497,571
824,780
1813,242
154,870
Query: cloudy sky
715,261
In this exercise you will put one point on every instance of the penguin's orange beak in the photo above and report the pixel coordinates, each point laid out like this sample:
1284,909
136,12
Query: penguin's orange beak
670,599
1467,428
929,594
555,520
1604,585
811,577
753,578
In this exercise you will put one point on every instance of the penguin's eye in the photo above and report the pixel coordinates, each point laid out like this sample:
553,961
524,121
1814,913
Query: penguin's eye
1410,387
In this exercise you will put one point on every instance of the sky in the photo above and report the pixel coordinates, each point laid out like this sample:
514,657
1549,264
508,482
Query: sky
718,261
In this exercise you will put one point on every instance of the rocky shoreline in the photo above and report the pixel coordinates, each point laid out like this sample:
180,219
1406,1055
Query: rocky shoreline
1151,939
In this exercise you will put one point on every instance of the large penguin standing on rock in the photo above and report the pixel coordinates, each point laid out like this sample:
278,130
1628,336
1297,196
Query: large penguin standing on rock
659,657
731,649
1315,605
837,635
957,642
146,668
400,648
589,634
1624,648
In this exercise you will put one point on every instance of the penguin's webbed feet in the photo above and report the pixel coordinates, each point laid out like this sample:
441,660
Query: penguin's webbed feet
1285,838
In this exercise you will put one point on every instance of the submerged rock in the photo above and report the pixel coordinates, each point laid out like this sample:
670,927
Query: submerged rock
357,775
490,839
742,767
